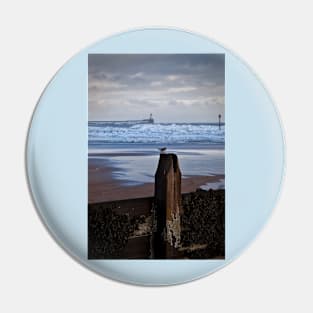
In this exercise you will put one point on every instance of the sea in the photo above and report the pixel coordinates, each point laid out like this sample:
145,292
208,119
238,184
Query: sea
156,133
132,148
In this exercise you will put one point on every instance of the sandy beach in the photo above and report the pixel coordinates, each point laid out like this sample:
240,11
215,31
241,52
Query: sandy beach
102,186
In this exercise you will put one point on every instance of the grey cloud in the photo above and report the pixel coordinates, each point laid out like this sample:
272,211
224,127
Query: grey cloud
141,83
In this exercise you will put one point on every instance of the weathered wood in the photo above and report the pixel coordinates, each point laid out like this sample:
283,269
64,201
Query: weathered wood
137,248
132,207
120,229
166,237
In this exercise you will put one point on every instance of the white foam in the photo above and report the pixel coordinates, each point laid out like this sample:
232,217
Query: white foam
214,185
157,133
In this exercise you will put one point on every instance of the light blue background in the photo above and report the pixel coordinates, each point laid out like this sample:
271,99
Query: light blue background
57,155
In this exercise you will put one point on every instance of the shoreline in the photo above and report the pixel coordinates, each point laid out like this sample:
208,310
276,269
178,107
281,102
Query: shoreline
96,146
103,187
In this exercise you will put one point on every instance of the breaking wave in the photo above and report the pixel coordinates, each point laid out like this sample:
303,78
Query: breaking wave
164,133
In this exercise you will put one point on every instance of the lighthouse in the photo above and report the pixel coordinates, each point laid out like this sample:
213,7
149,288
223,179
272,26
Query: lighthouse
151,120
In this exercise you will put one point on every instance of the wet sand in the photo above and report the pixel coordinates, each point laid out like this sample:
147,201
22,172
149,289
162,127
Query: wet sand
102,187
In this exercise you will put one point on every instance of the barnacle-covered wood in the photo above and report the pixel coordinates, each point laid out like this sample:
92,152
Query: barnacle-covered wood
123,229
109,232
203,224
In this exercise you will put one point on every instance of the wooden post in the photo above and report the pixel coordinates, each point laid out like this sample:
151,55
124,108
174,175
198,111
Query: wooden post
166,235
219,121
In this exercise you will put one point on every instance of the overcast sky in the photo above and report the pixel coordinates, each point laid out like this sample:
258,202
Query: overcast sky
173,87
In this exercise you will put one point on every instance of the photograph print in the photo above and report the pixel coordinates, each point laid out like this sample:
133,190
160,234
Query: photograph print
156,156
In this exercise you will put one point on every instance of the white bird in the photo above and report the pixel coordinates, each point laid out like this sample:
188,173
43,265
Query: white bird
162,150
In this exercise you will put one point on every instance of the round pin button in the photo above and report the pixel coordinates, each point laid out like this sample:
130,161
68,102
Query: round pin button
155,156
